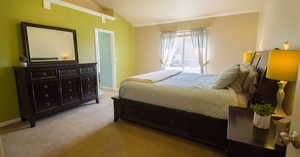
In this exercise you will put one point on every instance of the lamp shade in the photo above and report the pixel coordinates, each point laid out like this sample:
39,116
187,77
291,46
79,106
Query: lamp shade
283,65
247,57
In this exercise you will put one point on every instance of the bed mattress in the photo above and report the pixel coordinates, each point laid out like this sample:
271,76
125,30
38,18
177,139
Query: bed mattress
185,91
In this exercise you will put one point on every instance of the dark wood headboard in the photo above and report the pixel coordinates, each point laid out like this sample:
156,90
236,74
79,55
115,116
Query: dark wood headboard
266,88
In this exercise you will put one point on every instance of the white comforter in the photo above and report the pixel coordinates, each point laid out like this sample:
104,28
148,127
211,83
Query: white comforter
153,76
184,91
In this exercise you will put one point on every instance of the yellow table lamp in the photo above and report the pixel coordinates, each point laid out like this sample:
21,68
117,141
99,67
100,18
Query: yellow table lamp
282,66
248,56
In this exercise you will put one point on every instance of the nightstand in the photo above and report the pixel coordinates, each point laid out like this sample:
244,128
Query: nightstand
244,140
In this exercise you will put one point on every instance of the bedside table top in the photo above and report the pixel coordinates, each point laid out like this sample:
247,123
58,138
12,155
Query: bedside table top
241,129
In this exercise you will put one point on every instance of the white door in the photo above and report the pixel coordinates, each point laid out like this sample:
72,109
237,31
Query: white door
295,119
106,60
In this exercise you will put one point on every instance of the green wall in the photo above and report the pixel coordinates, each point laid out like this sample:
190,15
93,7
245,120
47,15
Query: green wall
12,12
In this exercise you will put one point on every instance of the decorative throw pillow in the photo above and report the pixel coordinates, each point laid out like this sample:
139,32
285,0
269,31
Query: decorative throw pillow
237,85
250,82
227,77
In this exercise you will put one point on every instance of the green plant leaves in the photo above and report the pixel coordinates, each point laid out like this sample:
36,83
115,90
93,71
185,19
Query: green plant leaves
263,109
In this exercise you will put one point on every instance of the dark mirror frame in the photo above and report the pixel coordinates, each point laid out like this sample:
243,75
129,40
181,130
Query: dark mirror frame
24,26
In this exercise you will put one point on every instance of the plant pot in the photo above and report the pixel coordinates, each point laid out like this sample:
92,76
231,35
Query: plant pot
23,64
262,122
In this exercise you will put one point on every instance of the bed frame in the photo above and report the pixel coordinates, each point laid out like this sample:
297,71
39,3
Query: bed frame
189,125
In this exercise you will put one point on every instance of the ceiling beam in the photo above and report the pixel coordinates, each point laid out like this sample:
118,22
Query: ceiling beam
47,5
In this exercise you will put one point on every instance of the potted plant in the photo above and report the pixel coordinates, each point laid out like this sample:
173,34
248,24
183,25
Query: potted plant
23,61
262,115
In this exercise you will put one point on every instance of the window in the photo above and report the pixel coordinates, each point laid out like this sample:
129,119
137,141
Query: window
186,50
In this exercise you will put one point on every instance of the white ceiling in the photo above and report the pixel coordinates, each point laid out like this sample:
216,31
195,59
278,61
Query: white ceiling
150,12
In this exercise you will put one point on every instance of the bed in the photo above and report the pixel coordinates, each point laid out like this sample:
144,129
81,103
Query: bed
185,104
189,92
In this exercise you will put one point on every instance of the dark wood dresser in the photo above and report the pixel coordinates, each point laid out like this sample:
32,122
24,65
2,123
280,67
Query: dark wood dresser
45,90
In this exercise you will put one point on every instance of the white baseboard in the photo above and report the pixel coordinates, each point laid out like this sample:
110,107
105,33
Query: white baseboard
6,123
108,89
1,148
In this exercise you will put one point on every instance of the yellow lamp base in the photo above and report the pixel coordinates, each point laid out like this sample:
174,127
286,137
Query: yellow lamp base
279,112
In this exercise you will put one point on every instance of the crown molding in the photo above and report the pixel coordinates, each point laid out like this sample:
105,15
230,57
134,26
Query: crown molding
47,5
196,18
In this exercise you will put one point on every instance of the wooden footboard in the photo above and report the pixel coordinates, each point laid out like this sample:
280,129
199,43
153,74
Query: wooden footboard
181,123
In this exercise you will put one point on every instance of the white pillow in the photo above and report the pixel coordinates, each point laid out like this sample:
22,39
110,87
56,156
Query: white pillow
227,77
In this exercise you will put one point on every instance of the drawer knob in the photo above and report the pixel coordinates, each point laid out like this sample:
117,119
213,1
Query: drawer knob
70,90
45,86
44,74
46,95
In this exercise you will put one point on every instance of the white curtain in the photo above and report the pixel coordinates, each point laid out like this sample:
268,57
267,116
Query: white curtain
199,42
168,40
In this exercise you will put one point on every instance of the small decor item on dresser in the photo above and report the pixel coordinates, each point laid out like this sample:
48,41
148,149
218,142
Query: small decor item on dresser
262,115
23,61
282,125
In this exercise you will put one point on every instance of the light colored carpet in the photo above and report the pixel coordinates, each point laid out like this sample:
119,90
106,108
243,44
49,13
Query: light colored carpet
89,131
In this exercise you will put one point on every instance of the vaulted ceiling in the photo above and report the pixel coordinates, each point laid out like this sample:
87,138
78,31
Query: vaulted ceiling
92,4
145,12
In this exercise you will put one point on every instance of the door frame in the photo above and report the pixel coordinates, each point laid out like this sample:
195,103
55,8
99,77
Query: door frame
113,57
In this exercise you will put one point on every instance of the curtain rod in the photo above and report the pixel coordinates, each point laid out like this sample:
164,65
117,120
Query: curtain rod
186,30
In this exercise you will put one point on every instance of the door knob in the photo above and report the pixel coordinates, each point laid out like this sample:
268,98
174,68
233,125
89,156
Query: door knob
292,137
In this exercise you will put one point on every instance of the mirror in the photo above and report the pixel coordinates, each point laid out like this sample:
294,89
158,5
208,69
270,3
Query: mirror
47,44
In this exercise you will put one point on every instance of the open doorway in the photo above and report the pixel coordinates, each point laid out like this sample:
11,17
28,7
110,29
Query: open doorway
106,59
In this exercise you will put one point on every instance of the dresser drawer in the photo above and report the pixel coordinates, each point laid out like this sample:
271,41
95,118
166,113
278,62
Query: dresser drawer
44,86
89,69
45,74
46,94
70,86
72,82
70,90
71,97
69,72
45,104
89,85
